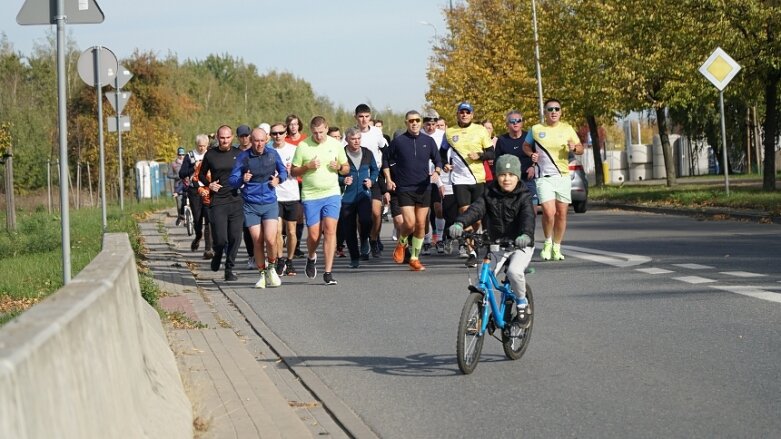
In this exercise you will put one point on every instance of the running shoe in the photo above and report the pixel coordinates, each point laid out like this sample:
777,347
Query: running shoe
380,245
328,278
195,244
311,269
251,263
546,251
355,263
340,252
280,267
462,253
440,247
364,256
415,265
261,283
426,249
230,276
179,220
290,270
375,249
272,278
556,254
524,311
398,253
208,254
365,249
471,261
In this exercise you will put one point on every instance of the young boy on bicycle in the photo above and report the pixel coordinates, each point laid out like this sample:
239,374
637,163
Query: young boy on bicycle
507,212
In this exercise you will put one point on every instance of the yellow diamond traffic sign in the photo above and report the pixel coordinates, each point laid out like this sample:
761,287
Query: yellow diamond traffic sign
720,68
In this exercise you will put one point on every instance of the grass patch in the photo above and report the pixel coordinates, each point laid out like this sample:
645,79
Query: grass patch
31,256
691,195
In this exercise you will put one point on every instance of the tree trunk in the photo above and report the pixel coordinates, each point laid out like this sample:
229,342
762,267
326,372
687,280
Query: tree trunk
771,130
669,159
596,146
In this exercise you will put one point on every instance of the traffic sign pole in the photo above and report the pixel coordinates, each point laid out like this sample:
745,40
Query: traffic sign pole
62,118
102,174
121,173
719,69
48,12
724,142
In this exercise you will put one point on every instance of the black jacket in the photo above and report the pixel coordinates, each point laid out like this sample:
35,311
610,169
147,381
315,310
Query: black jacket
504,215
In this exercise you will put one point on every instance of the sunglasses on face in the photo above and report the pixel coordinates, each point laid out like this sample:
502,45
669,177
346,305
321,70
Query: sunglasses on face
278,133
413,120
514,121
553,109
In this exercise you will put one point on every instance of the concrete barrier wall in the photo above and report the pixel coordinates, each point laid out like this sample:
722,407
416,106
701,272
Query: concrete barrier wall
92,361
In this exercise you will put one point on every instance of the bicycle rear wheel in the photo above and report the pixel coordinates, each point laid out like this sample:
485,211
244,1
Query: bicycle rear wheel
470,342
516,338
188,220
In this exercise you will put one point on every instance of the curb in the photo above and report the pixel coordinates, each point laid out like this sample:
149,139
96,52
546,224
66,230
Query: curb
711,213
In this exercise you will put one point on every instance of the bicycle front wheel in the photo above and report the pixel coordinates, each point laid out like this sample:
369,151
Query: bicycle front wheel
516,338
470,341
188,220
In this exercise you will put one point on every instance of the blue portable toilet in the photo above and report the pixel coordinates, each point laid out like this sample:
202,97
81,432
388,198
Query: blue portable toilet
154,179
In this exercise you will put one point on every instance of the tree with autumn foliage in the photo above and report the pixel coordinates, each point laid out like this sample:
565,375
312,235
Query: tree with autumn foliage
615,56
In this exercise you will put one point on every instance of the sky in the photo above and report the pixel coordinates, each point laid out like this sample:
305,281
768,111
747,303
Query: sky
352,52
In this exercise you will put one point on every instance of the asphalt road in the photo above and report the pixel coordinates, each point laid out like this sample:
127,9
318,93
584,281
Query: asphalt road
654,326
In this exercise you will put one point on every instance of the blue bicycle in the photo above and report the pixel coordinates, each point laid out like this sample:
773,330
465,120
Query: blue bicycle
491,305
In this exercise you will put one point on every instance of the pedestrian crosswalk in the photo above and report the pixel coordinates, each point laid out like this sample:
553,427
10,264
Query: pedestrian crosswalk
706,275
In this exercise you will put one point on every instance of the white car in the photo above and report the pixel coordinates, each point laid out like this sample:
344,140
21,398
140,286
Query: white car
579,186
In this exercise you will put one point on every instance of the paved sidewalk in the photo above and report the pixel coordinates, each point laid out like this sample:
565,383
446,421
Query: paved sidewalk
238,386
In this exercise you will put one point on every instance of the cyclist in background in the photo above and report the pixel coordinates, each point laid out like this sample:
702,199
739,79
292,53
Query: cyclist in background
507,210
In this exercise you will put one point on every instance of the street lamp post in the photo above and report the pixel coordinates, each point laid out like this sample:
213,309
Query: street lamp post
537,60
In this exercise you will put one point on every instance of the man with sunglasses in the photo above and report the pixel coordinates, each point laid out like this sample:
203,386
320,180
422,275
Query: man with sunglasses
549,146
288,197
405,164
470,145
512,143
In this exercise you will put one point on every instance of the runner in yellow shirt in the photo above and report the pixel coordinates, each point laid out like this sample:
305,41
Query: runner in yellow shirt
471,145
549,146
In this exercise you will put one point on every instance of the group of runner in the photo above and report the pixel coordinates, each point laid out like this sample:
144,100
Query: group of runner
278,179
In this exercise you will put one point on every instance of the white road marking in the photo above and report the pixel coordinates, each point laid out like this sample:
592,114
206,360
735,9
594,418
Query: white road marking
742,274
694,279
610,258
654,270
693,266
628,260
752,291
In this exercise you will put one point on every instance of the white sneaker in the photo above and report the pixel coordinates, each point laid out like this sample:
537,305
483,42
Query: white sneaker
251,263
272,278
462,253
261,283
395,235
